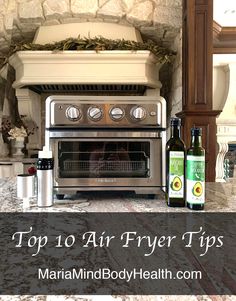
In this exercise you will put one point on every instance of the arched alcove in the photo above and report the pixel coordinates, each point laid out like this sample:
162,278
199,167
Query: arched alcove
159,20
224,98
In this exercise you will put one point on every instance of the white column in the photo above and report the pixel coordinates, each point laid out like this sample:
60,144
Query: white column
223,149
29,105
226,134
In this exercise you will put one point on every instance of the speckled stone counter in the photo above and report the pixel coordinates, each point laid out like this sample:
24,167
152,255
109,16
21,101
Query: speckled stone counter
220,197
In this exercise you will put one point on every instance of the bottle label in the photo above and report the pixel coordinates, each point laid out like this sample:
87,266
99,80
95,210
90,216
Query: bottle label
195,179
176,174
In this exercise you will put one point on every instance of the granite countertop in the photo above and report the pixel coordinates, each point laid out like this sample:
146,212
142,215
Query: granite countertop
220,197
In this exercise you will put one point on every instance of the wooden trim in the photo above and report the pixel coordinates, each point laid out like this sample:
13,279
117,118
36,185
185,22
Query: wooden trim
197,54
224,50
228,33
216,29
208,125
224,39
211,113
197,51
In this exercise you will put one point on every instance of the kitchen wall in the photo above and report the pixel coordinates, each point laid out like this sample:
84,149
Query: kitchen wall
160,20
175,98
224,98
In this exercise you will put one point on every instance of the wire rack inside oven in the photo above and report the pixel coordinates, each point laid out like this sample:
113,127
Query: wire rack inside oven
105,167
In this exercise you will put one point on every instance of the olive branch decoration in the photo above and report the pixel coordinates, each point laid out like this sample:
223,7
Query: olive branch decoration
163,54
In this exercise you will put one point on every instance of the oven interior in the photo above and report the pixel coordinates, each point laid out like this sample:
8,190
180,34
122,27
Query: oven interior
99,159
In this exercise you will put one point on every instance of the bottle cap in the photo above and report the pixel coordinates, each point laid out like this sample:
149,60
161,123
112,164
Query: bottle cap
175,121
45,153
196,131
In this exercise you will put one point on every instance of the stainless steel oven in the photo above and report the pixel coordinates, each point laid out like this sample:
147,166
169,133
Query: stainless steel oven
106,143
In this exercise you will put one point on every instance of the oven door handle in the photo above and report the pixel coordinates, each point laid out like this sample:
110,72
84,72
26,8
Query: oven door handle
104,134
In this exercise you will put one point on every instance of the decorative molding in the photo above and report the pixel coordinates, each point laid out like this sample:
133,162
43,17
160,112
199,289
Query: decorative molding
226,131
216,29
212,113
223,50
224,39
71,67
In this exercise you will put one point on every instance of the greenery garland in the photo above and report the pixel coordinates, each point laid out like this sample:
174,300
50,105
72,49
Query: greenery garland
163,54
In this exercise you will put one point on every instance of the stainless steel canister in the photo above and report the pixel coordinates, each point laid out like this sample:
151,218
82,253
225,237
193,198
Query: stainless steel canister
25,186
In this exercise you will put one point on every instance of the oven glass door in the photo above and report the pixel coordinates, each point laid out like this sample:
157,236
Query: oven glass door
103,159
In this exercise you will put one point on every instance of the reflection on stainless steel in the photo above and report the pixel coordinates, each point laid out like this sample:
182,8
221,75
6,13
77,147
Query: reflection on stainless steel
153,163
138,111
104,134
117,143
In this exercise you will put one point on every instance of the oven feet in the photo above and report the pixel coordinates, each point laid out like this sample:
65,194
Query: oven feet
60,196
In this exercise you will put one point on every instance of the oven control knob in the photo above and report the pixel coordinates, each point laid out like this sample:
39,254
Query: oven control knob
138,113
95,113
117,113
73,113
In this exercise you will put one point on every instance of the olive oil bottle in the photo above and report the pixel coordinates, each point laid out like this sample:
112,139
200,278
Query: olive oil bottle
175,167
195,173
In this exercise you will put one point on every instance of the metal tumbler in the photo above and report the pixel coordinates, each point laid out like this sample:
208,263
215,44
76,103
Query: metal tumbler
25,188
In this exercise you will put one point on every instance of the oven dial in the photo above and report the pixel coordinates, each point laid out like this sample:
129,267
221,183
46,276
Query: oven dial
95,113
117,113
73,113
138,113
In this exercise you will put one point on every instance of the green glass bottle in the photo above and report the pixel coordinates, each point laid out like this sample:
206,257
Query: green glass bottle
175,167
195,174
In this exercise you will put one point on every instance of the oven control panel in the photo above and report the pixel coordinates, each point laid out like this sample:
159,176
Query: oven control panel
130,113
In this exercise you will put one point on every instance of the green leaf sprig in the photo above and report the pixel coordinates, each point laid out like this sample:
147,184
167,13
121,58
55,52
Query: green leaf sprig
164,55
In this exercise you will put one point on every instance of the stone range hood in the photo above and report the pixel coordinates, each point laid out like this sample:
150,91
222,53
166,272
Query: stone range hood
35,68
47,72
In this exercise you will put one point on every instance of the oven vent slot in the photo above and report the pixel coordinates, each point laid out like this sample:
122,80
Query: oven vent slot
89,88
